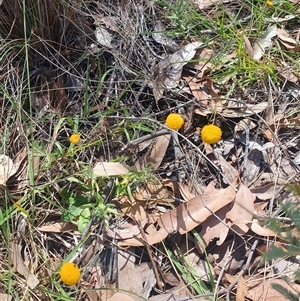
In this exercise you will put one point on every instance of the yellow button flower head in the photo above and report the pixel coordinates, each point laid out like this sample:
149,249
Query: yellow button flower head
69,273
74,138
174,121
269,3
211,134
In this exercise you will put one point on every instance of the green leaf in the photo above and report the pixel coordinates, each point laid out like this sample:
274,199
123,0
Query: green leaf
84,219
275,253
284,291
297,275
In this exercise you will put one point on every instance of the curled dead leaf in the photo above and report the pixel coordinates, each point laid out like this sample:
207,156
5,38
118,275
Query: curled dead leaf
287,41
104,169
120,296
241,213
245,110
168,71
18,263
13,173
265,291
190,214
260,230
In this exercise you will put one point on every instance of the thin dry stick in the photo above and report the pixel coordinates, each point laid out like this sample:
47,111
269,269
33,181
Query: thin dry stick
157,276
222,272
227,290
142,139
242,272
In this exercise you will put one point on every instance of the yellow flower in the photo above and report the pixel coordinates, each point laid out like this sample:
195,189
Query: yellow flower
269,3
211,134
74,138
174,121
69,273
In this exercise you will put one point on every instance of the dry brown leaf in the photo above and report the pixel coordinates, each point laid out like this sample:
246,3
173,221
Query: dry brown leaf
182,219
7,169
190,214
170,278
93,295
202,88
172,186
265,192
131,231
203,112
202,62
227,169
258,229
120,296
158,151
215,227
263,42
160,37
97,280
18,263
200,266
229,278
58,227
136,278
248,47
104,169
202,4
196,88
186,192
134,209
156,155
288,75
170,68
153,192
242,289
167,72
5,297
245,110
175,297
241,213
138,241
244,124
288,42
13,175
260,208
231,255
295,2
265,291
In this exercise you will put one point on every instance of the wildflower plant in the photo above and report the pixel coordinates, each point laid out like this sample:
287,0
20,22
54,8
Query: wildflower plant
211,134
130,182
87,204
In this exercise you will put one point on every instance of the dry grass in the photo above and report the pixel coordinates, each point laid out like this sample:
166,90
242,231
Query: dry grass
58,76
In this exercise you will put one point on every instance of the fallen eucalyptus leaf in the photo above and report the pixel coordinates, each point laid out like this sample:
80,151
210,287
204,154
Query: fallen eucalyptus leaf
265,41
245,110
104,169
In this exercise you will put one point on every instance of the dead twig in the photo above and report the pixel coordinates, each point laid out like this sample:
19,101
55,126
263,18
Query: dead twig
242,272
155,270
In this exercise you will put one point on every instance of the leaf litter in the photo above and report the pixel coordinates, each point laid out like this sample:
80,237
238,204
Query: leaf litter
223,193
